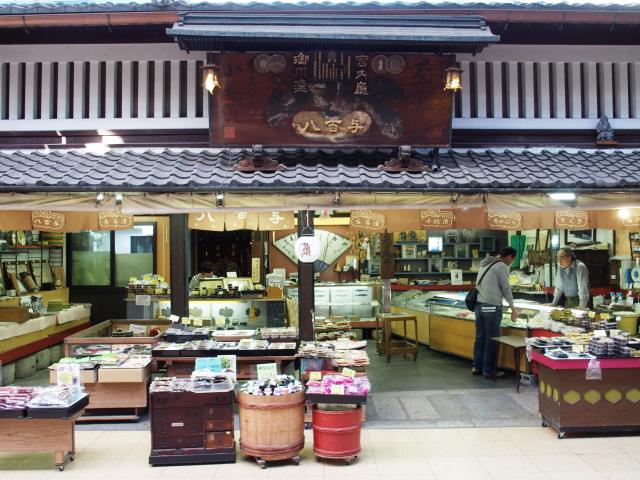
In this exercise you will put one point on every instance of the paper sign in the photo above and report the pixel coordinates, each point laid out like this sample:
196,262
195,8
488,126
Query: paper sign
185,321
143,300
228,364
614,333
599,333
337,389
232,274
213,364
592,314
315,376
605,316
133,279
197,322
255,270
68,374
347,372
267,371
456,276
577,348
174,318
139,330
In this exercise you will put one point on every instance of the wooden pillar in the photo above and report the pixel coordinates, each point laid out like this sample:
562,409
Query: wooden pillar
306,298
180,264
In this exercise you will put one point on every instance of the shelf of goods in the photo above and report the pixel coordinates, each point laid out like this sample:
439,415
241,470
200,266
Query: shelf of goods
19,339
41,428
117,392
569,402
191,426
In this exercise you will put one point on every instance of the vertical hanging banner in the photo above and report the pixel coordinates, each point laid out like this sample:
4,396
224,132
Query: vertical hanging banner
435,218
211,221
504,220
368,220
276,220
114,221
47,221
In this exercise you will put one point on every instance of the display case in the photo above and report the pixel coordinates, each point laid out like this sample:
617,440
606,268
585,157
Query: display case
234,313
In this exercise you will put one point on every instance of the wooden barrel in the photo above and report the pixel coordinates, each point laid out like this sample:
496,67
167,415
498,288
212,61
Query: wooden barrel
271,428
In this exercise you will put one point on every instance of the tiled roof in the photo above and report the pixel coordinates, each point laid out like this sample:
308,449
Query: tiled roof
315,169
21,7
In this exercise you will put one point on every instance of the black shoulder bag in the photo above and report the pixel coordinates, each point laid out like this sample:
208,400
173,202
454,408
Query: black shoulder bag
472,297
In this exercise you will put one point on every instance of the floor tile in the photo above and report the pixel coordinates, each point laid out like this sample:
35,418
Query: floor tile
456,466
612,462
491,448
561,463
503,464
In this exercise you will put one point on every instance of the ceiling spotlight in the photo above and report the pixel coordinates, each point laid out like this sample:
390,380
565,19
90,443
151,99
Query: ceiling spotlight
336,198
119,198
220,199
99,198
562,196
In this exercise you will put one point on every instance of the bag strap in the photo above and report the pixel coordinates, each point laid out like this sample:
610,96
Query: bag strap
485,272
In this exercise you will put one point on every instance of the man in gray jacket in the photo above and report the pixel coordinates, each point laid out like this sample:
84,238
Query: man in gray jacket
491,290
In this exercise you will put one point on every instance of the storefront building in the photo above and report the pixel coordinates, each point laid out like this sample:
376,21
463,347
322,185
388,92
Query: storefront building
161,136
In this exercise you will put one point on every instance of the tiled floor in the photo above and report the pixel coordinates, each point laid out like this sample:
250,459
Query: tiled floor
522,453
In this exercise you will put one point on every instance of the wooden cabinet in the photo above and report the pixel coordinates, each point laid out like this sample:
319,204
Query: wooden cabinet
189,427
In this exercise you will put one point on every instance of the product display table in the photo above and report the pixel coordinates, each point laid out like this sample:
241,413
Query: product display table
519,345
571,403
43,432
183,366
388,347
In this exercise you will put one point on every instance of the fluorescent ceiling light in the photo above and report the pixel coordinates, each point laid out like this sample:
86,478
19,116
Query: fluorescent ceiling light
562,196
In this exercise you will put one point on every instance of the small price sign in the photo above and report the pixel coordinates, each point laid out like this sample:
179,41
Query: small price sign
213,364
197,322
143,300
185,321
592,314
577,348
267,371
337,389
599,333
68,375
315,376
174,318
605,316
347,372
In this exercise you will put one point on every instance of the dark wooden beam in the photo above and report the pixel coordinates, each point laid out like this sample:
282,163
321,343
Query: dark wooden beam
180,260
306,294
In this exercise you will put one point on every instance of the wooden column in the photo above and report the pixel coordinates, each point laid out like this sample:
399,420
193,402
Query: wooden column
180,260
306,298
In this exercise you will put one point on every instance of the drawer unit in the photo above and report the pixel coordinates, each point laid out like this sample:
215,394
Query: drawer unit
189,427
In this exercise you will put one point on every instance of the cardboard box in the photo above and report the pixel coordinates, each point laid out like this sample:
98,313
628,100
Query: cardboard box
86,376
14,314
123,374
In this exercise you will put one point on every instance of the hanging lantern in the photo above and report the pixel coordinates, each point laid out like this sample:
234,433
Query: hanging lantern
210,78
453,79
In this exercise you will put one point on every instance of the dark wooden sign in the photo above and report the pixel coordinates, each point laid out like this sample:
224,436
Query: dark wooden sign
331,98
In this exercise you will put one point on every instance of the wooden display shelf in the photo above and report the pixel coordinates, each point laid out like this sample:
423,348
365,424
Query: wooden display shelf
59,294
14,348
28,435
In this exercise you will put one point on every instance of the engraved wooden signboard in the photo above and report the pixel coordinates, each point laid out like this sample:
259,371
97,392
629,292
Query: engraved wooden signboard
331,98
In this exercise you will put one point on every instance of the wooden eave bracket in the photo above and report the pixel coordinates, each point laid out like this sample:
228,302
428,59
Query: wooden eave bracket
258,161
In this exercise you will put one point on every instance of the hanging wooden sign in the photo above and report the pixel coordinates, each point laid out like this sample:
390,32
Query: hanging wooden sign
47,221
571,219
114,221
437,218
367,220
504,220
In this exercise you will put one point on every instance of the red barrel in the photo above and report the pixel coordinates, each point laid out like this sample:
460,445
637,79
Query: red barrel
336,434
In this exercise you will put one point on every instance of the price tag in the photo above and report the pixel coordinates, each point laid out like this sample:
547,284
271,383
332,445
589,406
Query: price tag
267,371
605,316
197,322
213,364
174,318
315,376
139,330
592,314
347,372
143,300
614,333
337,389
185,321
599,333
577,348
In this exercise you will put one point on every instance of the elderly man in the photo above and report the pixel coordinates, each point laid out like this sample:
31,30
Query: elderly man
572,280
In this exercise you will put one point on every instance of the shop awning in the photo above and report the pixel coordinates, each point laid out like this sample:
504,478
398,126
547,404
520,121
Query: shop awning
318,170
419,33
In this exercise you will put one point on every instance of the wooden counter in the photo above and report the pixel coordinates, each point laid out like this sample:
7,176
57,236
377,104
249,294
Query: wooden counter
422,319
59,294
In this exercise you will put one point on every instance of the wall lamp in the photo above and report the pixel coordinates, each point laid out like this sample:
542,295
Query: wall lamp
119,198
220,199
562,196
211,78
99,198
453,79
337,200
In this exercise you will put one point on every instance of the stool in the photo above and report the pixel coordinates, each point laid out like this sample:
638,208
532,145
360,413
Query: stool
518,344
385,345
